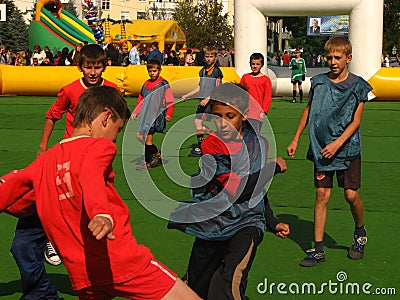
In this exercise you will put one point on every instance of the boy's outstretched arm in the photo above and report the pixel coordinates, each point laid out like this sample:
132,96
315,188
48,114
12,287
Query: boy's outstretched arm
331,148
191,93
282,230
47,130
291,149
101,226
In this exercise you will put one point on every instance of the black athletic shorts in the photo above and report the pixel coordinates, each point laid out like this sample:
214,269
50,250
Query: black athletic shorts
347,179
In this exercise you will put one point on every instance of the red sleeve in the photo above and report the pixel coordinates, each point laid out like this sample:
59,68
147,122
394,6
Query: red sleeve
169,101
139,105
243,82
95,171
16,191
267,95
59,107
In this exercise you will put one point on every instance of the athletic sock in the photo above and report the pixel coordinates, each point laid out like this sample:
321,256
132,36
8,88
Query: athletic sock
319,246
147,153
301,94
294,94
360,231
149,150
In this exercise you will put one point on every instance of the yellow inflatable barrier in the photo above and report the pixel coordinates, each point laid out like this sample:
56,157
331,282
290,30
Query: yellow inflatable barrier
47,81
386,84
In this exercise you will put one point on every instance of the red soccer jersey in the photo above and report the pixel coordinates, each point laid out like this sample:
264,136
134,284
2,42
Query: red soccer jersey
260,89
168,100
74,181
212,144
66,102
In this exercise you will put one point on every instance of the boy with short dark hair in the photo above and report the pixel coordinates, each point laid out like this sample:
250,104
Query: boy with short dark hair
333,115
156,102
210,77
298,67
27,246
82,213
259,86
226,212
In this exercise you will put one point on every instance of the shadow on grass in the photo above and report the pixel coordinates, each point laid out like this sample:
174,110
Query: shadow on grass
60,281
302,233
10,288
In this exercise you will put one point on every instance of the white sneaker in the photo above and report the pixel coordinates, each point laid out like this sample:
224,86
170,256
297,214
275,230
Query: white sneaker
51,255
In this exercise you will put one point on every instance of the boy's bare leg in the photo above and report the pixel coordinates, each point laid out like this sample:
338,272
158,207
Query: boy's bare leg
140,136
356,206
149,139
356,250
180,291
198,124
321,202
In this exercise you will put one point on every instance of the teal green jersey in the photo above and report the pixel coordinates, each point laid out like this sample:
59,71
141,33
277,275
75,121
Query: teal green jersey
298,67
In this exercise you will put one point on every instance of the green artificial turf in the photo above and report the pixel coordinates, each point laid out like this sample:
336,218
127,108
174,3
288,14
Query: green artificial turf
291,196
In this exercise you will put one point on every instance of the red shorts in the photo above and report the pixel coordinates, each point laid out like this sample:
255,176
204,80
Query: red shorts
153,283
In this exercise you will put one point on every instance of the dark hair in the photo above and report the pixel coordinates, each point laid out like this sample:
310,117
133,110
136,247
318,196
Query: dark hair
232,95
95,100
211,49
153,63
92,53
257,56
155,44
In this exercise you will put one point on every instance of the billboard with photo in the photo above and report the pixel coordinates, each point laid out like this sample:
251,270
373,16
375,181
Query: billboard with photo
328,25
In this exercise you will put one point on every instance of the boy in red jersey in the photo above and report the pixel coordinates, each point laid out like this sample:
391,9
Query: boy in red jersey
30,241
259,86
92,64
156,102
82,213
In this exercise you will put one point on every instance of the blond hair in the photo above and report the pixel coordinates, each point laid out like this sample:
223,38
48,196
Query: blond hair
339,44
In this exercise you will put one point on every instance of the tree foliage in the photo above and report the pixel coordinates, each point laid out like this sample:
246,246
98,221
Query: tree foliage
391,26
204,23
70,7
14,32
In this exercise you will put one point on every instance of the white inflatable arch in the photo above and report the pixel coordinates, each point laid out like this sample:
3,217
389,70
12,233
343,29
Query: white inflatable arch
365,31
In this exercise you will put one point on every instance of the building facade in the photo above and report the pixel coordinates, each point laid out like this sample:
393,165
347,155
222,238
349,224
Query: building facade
130,9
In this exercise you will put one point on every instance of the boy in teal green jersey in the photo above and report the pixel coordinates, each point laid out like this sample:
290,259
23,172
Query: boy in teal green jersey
298,67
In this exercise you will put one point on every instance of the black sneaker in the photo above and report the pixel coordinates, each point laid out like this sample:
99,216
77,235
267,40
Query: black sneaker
313,258
155,160
293,100
51,255
301,100
356,250
196,152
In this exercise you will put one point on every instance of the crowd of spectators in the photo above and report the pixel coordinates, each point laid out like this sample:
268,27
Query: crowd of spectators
117,55
122,56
